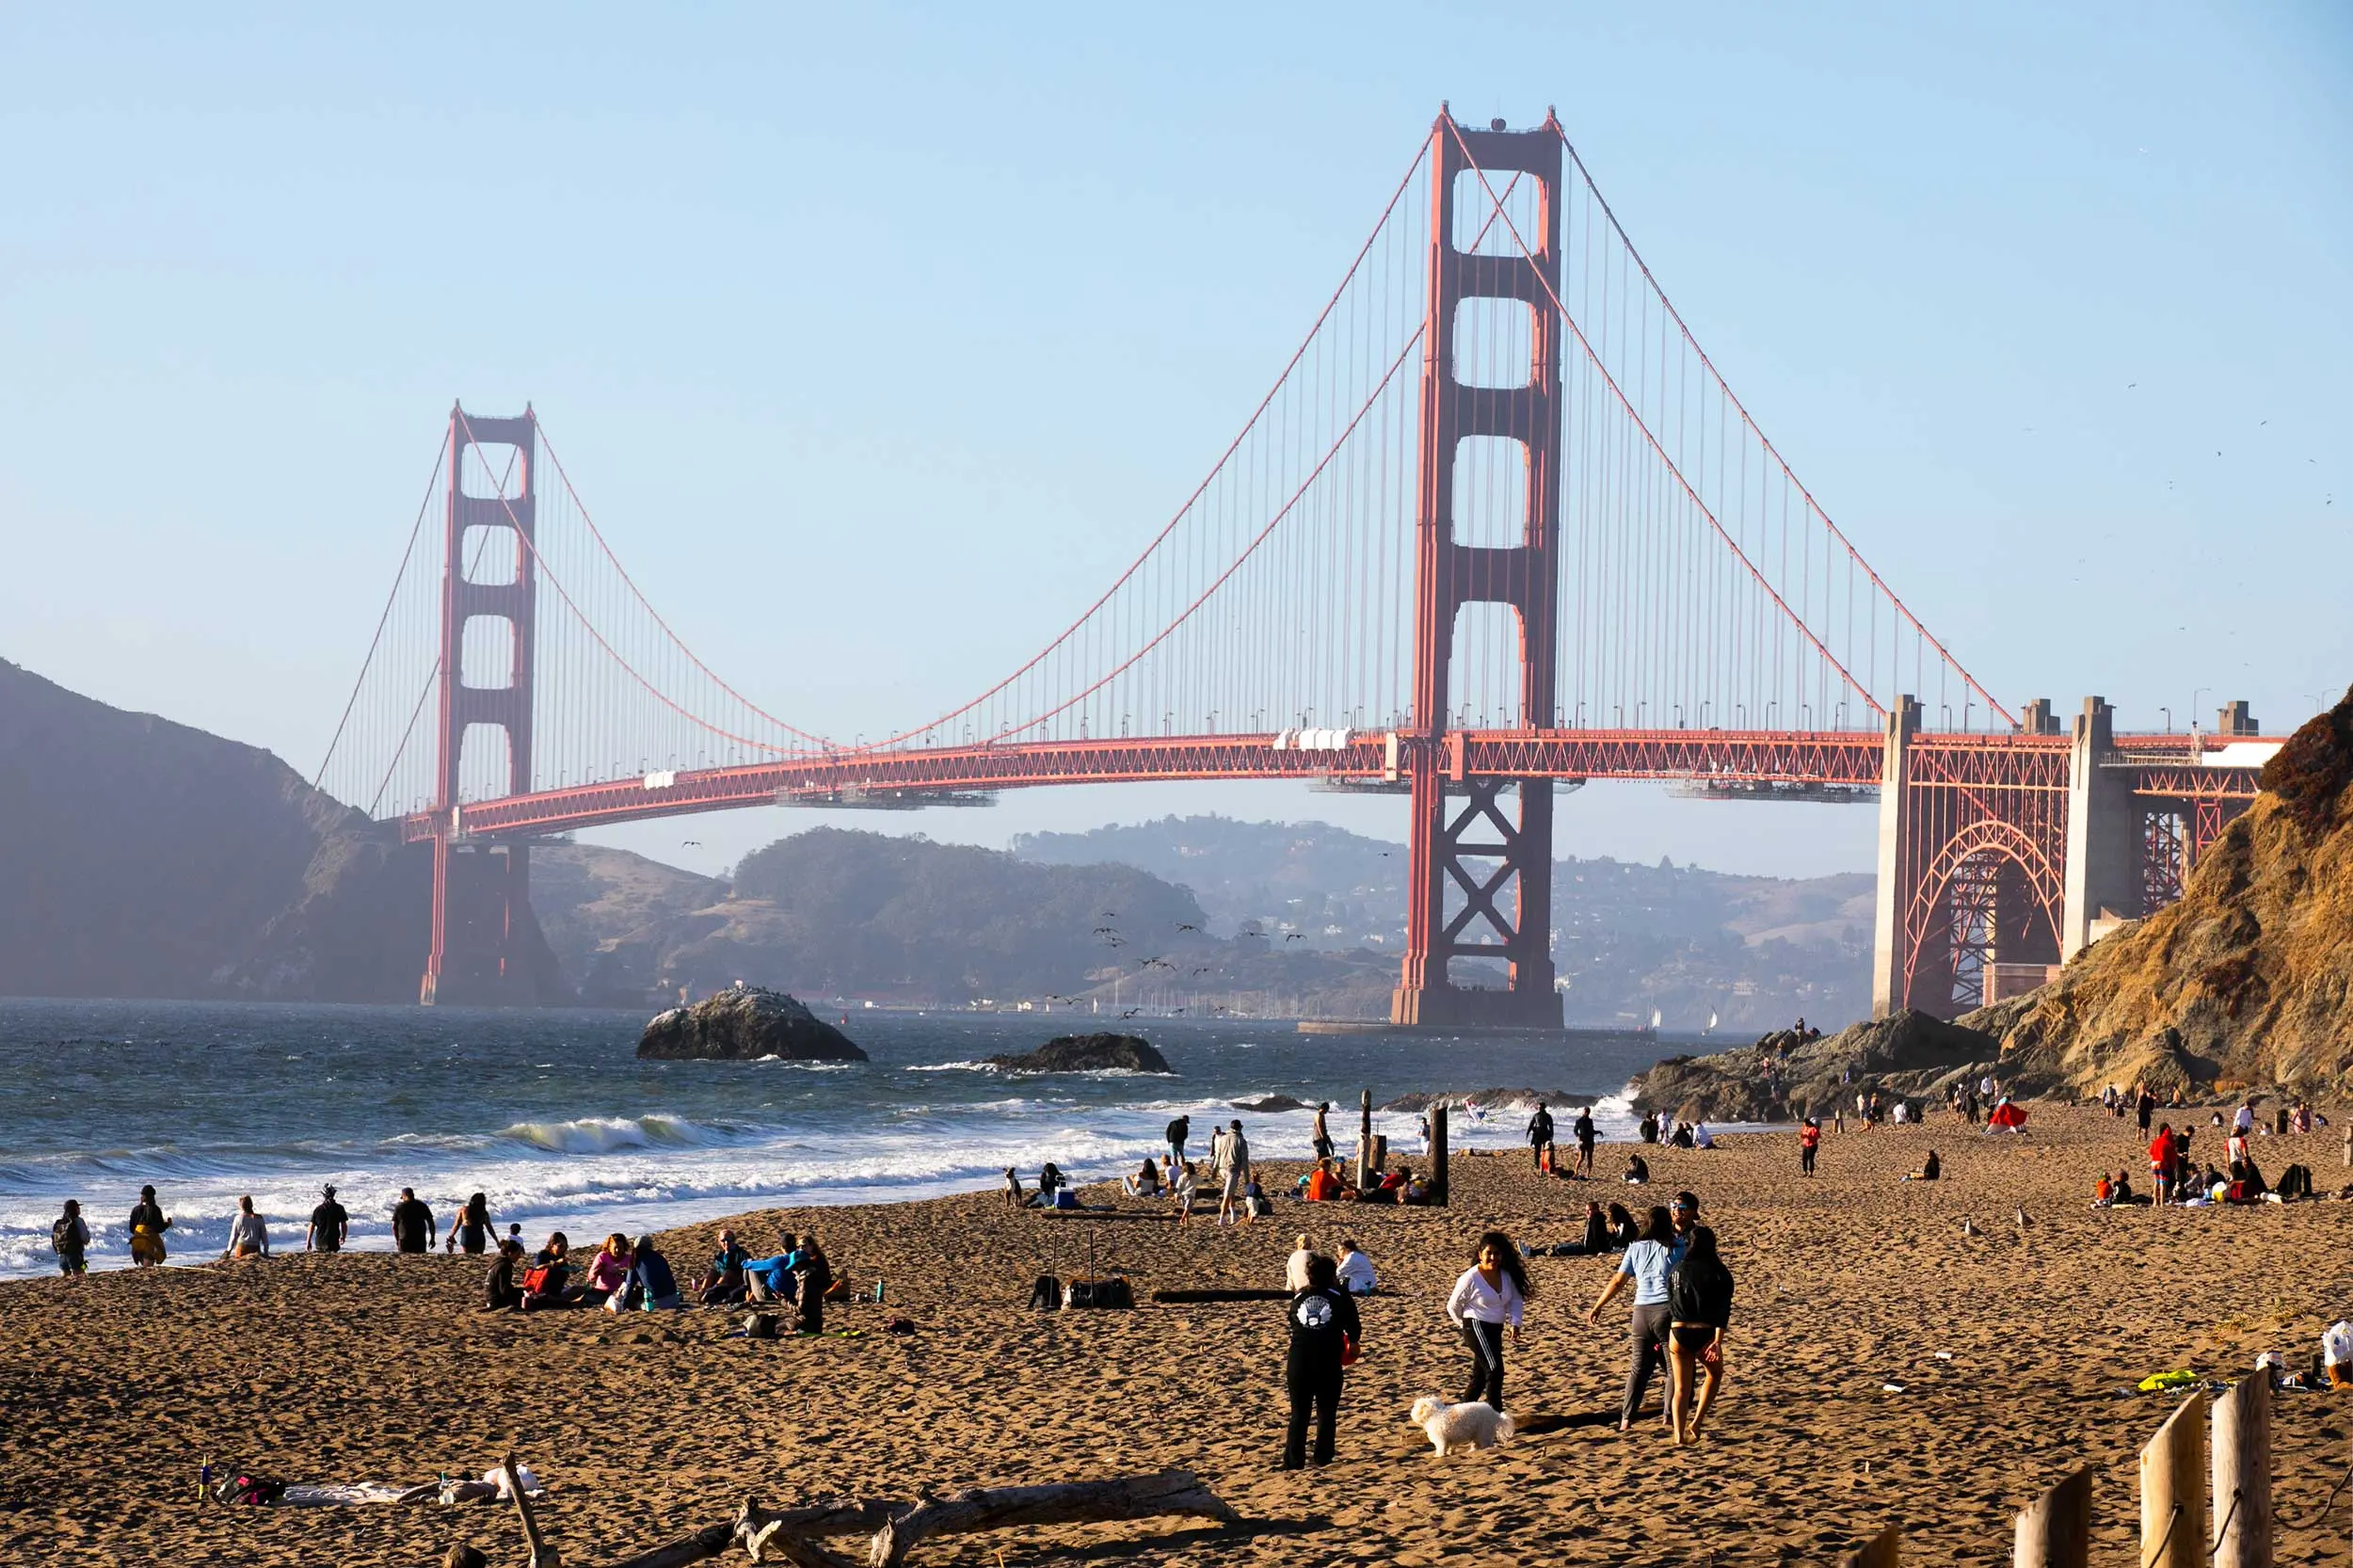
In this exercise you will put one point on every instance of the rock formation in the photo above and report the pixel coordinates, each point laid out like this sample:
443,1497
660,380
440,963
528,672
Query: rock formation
1088,1054
2246,980
745,1024
1779,1079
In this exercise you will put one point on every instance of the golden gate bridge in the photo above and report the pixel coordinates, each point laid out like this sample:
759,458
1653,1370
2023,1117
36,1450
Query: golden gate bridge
1497,523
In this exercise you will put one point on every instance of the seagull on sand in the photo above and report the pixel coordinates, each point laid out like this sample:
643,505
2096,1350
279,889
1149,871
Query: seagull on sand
1967,1228
2026,1220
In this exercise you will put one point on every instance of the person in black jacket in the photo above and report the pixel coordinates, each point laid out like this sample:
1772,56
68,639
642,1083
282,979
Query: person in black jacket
1323,1325
815,1276
1699,1308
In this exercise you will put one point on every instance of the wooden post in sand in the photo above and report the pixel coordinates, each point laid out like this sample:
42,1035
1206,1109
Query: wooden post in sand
542,1555
2173,1500
1437,1156
1364,1139
2055,1531
1883,1550
2242,1473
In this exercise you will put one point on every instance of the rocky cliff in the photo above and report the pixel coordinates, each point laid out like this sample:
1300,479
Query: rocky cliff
2244,980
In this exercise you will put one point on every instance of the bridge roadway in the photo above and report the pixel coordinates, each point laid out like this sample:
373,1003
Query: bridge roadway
2163,766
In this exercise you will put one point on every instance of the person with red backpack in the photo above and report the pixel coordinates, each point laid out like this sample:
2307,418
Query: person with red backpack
545,1283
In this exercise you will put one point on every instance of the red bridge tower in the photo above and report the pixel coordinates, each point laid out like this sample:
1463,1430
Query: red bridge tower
481,894
1491,850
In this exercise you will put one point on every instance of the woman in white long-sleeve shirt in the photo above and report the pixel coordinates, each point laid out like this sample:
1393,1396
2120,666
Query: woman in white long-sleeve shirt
1488,1297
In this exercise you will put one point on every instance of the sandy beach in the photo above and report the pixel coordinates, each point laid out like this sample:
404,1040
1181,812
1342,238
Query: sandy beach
374,1367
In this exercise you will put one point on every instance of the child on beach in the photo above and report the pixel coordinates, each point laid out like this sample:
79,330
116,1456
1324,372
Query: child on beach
1182,1190
1324,1328
1490,1293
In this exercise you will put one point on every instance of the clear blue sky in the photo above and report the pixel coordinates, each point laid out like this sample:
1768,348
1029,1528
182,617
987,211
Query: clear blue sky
848,319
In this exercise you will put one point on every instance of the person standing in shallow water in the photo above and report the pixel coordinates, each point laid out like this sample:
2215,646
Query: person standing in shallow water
413,1223
70,1239
1323,1325
472,1228
1491,1294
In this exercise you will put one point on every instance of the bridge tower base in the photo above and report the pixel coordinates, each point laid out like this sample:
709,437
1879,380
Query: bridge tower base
481,897
1494,857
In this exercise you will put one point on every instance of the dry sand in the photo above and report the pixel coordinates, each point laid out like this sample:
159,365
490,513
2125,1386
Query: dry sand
113,1389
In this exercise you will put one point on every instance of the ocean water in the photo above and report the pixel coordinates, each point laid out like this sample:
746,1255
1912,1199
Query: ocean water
551,1115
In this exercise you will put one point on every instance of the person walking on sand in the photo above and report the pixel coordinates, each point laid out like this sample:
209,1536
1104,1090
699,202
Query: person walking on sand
472,1228
413,1230
1587,1134
1181,1190
1324,1329
1323,1131
329,1226
1236,1174
249,1235
1539,1137
1178,1130
2144,1105
1647,1262
148,1223
1492,1293
1698,1306
68,1238
1809,1140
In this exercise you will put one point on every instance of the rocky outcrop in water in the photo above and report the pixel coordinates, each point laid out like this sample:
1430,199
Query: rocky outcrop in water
1088,1054
745,1024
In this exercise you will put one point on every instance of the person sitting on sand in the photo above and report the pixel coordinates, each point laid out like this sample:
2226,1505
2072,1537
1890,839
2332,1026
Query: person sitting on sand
546,1284
1180,1192
1356,1270
651,1285
1254,1201
1391,1183
471,1230
1637,1170
1324,1184
501,1290
771,1279
1049,1181
814,1274
722,1284
1596,1238
248,1236
608,1271
68,1238
1623,1230
1295,1266
1701,1137
2102,1191
1145,1183
1930,1170
148,1223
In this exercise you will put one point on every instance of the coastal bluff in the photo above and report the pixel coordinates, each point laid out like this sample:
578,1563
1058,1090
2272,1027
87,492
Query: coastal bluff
744,1024
1781,1077
1088,1054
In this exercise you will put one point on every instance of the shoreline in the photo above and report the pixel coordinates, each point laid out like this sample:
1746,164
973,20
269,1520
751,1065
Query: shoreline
374,1367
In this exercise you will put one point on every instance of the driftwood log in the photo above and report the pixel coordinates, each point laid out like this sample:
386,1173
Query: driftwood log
793,1535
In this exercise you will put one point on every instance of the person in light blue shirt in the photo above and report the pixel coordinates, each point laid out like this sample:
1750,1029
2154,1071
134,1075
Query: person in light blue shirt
1647,1262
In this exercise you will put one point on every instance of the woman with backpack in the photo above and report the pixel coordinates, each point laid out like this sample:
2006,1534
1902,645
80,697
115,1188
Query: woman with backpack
1698,1306
1325,1333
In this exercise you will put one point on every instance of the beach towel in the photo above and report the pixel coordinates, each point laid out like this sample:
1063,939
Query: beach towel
2008,1117
2158,1382
353,1493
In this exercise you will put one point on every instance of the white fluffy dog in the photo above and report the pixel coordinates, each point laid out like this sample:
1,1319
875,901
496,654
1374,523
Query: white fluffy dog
1461,1426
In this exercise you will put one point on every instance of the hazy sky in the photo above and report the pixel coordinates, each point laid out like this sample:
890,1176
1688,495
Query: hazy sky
879,337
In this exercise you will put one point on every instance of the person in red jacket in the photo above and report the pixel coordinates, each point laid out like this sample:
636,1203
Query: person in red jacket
1809,1140
2162,1154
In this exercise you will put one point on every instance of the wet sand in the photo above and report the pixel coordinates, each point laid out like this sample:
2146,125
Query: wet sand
370,1368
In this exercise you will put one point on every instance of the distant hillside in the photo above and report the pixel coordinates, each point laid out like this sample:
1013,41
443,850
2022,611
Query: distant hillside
144,859
1630,939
